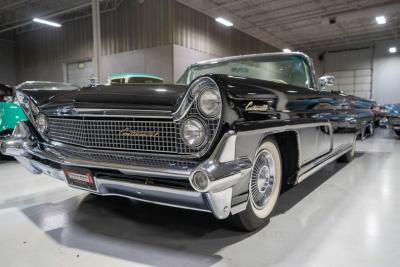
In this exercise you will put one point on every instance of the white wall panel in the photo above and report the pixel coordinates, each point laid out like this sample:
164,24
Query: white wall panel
157,60
80,73
386,75
352,69
183,57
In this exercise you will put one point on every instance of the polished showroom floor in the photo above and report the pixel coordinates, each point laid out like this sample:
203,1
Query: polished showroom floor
344,215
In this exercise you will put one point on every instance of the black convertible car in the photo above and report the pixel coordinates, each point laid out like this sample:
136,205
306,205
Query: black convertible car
224,140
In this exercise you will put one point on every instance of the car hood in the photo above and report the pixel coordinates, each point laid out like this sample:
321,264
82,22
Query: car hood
159,97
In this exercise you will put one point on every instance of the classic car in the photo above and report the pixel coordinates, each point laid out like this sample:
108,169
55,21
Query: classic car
362,113
10,112
134,78
392,117
225,139
366,117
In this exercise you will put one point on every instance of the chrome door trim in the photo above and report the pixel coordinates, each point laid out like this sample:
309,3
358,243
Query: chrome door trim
321,163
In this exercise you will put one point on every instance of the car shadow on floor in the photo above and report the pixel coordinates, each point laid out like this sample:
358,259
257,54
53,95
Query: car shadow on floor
147,233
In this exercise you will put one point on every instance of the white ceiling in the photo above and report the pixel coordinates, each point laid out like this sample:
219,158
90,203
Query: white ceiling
304,24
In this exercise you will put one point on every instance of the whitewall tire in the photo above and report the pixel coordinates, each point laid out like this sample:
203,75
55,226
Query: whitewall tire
264,187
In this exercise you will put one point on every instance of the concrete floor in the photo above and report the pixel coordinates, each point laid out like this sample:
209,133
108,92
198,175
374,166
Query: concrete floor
344,215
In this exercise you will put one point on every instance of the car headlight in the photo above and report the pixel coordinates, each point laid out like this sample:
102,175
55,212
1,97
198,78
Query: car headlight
193,132
41,123
210,102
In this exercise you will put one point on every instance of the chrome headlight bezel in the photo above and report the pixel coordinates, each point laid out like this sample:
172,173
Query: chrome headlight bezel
41,123
202,139
192,97
32,111
190,108
217,102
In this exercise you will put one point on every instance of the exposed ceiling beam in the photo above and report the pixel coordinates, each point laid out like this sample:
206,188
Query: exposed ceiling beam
47,16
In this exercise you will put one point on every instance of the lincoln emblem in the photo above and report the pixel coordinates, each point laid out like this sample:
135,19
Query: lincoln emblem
130,133
251,107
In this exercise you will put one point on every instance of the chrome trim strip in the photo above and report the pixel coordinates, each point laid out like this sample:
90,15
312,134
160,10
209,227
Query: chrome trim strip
54,156
137,188
112,113
321,163
284,128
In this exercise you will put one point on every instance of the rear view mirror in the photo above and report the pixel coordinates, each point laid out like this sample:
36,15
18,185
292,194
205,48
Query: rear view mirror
326,81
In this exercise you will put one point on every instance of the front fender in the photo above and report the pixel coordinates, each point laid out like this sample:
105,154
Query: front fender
10,115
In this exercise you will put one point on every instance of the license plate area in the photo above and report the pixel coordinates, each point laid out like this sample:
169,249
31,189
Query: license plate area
80,177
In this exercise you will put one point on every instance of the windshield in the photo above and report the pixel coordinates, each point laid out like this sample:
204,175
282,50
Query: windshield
281,69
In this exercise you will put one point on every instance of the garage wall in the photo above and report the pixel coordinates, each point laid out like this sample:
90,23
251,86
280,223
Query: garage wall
194,30
361,70
352,69
41,72
386,75
147,27
157,60
183,57
7,62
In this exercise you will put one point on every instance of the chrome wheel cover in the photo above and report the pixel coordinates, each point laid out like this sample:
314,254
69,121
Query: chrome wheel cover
262,179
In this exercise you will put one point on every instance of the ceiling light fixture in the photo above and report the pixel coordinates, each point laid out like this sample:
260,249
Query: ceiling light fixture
223,21
392,50
46,22
380,19
287,50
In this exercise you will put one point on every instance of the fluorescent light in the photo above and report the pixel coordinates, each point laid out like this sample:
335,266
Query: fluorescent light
392,49
380,19
50,23
286,50
223,21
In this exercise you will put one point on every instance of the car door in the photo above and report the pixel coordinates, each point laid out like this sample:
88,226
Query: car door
332,108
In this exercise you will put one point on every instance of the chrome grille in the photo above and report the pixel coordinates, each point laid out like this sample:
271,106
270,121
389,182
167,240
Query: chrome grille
152,136
129,158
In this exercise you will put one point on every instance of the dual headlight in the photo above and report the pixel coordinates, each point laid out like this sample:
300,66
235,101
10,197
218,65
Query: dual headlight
208,99
33,113
41,123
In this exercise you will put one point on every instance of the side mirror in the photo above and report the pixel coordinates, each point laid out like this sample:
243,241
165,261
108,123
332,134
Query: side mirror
326,81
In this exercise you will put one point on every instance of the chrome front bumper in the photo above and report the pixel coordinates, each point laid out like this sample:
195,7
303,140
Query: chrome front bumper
225,172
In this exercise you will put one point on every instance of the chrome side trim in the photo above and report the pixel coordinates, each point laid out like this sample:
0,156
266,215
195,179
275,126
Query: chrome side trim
288,127
321,163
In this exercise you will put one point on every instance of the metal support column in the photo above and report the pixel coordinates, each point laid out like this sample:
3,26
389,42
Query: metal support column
96,41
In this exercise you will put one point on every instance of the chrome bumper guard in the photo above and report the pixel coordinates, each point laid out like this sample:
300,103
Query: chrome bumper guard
222,169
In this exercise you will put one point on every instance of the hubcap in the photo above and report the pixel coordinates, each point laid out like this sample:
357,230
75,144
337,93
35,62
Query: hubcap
262,179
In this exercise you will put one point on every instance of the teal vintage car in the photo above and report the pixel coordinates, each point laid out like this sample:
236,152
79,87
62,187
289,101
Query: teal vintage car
10,112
